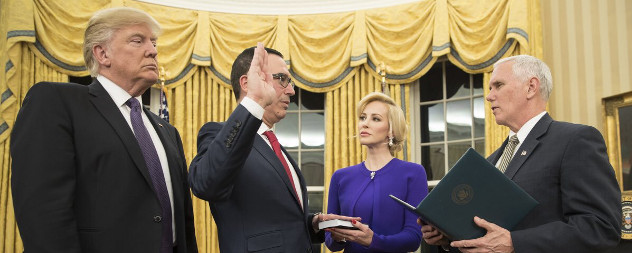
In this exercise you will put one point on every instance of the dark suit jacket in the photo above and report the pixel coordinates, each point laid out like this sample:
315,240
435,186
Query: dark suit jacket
248,190
79,180
565,167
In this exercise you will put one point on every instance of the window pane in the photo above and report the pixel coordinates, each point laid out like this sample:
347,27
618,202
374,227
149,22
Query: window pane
315,202
479,117
313,167
312,130
433,160
294,155
432,123
457,82
455,151
431,84
294,101
287,131
478,84
459,117
479,146
312,101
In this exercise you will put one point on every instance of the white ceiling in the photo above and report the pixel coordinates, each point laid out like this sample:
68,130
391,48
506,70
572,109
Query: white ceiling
278,7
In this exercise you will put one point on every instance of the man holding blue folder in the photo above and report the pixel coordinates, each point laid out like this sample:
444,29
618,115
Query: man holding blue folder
563,166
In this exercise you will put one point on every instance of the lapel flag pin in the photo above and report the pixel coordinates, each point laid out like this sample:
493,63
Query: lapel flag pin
524,152
160,124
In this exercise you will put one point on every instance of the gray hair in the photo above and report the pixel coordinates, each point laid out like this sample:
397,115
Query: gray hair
104,23
526,67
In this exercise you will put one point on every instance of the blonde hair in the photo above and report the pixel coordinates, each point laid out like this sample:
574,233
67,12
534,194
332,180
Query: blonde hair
398,128
104,23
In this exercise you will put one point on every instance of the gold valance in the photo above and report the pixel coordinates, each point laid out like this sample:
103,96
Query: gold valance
322,49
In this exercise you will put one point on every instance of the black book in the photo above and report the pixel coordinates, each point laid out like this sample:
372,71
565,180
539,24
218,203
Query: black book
473,187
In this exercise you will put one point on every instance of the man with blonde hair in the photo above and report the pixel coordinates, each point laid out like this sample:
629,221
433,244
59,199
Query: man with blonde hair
93,171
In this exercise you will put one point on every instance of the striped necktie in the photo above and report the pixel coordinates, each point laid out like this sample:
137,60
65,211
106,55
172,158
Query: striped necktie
508,153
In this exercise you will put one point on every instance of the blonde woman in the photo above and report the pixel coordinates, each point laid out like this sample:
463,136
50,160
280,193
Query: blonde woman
362,190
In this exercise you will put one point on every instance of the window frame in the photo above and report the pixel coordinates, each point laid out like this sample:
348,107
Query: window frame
416,104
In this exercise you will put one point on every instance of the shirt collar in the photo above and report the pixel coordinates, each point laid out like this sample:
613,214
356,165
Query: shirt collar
263,128
118,94
526,128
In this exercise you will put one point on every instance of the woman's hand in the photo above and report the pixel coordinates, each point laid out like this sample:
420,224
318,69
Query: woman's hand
362,236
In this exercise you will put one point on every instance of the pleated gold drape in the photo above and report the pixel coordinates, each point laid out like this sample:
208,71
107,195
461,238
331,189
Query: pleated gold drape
32,70
495,134
198,100
336,54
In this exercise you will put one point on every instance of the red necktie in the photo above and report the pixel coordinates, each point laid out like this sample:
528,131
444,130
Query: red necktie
277,150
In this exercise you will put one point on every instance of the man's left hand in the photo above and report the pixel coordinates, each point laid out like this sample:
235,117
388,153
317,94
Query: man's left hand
497,240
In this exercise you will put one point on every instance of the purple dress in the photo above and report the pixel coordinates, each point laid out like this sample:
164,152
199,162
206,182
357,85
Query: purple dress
357,192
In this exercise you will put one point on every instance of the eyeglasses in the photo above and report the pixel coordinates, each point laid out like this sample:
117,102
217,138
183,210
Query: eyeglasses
284,79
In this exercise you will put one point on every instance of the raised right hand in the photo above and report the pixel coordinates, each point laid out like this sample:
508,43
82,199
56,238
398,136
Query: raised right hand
259,84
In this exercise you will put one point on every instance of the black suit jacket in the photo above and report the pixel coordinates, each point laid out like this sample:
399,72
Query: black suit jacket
248,190
565,167
79,180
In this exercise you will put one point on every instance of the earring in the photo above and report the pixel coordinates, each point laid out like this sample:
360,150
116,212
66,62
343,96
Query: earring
390,141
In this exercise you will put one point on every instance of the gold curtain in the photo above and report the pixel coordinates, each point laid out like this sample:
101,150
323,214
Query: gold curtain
30,70
495,134
198,100
336,54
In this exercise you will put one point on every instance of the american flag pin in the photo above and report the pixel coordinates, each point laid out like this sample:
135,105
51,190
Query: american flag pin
524,152
161,126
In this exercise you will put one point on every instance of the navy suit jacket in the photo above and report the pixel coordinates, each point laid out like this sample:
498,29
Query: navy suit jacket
565,167
79,179
249,193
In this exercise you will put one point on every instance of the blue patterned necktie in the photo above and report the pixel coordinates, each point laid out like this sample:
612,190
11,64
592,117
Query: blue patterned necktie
155,172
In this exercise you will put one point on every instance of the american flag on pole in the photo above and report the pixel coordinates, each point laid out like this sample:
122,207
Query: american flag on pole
163,111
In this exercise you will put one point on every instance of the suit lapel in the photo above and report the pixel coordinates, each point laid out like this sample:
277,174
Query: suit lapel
105,105
266,151
528,147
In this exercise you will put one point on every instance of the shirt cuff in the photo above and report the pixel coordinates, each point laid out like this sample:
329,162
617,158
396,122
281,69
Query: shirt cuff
252,106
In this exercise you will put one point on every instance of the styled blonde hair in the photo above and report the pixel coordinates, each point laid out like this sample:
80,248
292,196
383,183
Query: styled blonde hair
398,128
104,23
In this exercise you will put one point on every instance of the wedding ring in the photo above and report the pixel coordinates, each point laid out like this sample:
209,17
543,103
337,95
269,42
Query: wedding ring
344,239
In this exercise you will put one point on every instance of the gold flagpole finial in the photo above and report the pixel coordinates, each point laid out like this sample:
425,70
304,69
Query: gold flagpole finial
381,70
161,75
